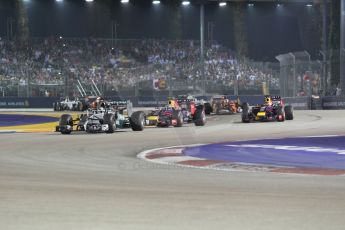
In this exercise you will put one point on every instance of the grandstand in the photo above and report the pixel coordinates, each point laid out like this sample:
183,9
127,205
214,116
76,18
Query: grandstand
55,64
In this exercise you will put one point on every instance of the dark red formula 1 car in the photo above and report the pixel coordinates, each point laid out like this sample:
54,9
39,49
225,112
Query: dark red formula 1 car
180,110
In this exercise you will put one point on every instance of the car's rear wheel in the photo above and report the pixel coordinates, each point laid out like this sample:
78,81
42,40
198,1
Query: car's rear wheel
80,106
217,108
208,108
66,124
57,106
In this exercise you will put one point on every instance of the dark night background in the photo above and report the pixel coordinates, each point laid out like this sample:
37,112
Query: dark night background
268,29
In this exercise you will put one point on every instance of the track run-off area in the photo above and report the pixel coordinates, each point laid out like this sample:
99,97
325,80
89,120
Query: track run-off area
96,181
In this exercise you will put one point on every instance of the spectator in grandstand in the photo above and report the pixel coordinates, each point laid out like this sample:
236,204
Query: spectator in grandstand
57,60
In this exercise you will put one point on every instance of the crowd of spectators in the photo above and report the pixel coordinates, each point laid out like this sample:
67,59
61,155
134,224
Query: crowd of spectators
123,63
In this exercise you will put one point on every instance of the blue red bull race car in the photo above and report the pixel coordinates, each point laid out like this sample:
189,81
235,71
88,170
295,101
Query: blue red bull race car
273,109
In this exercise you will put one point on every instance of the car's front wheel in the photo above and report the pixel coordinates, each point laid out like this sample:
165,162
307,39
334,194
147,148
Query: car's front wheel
199,117
245,113
137,121
178,117
109,119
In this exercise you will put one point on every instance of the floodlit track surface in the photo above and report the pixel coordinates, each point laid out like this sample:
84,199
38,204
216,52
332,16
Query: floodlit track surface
78,181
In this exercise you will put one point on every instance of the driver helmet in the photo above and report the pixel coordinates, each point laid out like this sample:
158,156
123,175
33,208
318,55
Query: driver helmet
172,103
268,100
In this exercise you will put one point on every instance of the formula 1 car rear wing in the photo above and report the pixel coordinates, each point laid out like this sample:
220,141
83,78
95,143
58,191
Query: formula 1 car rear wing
122,105
277,100
184,99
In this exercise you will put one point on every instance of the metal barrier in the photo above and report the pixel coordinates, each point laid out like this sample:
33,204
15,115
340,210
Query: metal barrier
24,102
299,103
300,76
295,71
333,102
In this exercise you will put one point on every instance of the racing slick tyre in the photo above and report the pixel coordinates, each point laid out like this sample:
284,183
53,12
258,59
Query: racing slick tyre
60,107
63,107
56,106
80,106
199,117
109,119
288,112
245,113
74,107
178,116
66,120
85,105
137,121
280,114
81,123
217,108
208,108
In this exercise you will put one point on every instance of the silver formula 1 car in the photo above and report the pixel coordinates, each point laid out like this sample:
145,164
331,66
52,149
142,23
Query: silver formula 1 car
106,118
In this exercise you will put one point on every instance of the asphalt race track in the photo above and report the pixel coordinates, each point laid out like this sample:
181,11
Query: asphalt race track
82,181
